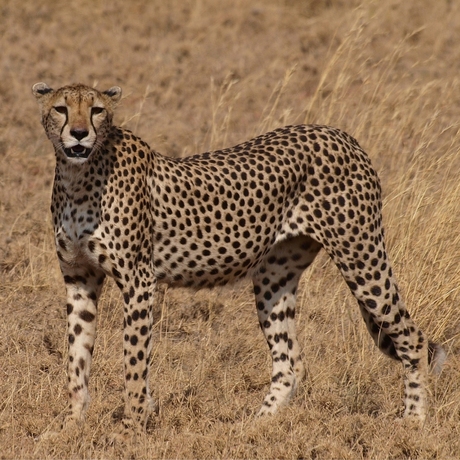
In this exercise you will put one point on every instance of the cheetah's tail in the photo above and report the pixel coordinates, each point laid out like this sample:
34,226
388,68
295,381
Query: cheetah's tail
436,357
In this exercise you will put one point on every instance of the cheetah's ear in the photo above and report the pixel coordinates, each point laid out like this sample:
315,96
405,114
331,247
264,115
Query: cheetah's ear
41,89
114,93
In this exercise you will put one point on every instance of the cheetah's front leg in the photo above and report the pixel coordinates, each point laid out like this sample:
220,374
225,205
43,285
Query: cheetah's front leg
83,289
137,345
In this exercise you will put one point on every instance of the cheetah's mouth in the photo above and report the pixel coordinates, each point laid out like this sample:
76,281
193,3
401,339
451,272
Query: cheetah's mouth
77,151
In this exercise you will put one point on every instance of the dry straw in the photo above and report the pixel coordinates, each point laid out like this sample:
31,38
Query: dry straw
198,76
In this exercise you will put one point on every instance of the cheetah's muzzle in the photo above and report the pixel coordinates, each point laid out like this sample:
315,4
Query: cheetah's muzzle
262,209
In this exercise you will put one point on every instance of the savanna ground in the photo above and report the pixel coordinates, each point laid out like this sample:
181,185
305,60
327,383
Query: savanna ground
201,74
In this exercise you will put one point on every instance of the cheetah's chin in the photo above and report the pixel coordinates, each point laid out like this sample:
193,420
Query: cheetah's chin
77,151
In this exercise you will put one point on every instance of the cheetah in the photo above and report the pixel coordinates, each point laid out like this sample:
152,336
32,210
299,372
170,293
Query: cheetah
262,209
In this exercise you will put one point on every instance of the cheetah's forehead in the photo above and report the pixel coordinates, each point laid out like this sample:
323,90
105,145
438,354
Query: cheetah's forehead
77,93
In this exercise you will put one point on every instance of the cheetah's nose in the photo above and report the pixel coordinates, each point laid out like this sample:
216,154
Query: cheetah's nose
78,133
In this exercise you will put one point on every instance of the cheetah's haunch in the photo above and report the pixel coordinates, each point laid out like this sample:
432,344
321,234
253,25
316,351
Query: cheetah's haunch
262,209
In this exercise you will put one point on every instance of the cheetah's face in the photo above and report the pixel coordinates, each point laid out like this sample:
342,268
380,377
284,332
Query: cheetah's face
76,118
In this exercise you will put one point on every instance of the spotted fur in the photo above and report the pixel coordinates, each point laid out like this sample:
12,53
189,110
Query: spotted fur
262,209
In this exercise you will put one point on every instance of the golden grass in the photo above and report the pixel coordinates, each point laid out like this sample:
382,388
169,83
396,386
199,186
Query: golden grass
197,75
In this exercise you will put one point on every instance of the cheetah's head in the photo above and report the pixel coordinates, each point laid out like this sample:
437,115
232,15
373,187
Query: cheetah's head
76,118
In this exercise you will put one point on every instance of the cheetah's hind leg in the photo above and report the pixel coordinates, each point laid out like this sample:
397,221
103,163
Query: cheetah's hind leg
390,325
275,288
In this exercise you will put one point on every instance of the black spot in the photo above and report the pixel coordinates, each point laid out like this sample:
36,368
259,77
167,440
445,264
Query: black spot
87,316
371,303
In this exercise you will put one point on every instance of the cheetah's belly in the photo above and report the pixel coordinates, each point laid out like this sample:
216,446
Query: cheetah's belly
210,256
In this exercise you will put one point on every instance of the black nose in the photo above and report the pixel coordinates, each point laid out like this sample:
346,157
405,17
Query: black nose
79,134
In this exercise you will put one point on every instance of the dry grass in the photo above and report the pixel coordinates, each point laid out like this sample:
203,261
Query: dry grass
199,74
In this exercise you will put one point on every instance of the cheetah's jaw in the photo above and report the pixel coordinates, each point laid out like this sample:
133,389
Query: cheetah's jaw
77,151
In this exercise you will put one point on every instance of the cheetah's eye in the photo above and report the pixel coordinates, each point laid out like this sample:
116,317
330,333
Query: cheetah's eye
96,110
61,109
